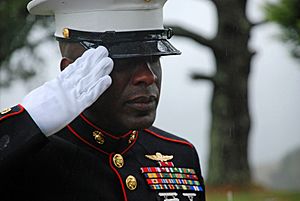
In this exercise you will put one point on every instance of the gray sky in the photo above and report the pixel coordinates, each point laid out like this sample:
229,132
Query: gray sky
274,85
184,107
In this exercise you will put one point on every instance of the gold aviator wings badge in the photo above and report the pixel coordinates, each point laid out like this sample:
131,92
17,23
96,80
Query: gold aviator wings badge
159,157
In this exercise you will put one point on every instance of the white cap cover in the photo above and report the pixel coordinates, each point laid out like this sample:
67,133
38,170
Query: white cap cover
101,15
127,28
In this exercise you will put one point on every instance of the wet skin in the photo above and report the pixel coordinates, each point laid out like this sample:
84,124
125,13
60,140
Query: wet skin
131,101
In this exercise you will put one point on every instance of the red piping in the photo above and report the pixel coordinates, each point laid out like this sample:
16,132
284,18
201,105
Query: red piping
119,177
13,113
85,141
106,133
126,134
169,139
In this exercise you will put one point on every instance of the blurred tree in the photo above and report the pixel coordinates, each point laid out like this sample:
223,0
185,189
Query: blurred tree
229,133
286,13
15,26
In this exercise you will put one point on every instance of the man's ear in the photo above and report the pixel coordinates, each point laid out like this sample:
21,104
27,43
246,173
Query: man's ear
65,62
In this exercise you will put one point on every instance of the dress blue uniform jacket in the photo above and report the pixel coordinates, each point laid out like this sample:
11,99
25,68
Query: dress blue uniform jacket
71,165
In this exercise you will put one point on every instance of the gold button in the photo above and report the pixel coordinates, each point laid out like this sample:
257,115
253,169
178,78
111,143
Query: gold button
147,1
66,33
131,182
118,160
132,137
6,110
99,137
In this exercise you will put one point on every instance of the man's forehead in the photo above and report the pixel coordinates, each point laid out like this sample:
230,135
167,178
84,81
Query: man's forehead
139,59
144,58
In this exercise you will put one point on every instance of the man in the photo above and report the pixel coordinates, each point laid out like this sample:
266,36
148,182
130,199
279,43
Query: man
87,134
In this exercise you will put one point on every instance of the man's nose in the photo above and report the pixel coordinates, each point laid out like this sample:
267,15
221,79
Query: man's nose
144,74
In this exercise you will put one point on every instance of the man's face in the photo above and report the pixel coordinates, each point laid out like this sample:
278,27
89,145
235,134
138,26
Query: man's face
131,101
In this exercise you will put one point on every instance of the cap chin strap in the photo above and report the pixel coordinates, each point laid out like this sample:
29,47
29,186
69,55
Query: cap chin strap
115,37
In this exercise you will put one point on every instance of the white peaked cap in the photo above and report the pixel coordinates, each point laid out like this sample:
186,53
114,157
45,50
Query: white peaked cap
101,15
128,28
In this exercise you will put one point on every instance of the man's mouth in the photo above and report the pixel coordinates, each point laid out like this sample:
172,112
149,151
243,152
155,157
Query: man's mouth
143,103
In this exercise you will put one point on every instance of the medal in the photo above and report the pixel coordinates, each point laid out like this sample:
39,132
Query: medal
189,195
167,177
169,196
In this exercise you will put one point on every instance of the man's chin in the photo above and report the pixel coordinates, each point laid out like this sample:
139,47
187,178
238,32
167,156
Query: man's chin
141,122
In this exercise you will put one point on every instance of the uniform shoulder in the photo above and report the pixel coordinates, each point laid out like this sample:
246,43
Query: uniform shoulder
167,136
8,112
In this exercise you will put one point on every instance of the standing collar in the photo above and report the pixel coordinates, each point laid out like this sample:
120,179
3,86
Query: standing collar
99,139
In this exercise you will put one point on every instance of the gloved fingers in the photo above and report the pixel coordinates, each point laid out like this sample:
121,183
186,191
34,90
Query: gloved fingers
104,67
101,69
77,65
99,53
89,96
94,56
94,59
85,56
84,64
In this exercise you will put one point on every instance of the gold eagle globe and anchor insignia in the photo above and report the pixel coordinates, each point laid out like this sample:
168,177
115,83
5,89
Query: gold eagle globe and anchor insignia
159,157
99,137
5,111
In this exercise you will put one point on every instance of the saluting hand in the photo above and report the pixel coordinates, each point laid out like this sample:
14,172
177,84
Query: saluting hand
56,103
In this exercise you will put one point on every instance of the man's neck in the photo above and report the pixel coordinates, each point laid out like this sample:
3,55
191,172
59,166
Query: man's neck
104,124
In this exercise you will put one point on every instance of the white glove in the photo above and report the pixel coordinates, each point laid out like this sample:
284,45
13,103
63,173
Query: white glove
56,103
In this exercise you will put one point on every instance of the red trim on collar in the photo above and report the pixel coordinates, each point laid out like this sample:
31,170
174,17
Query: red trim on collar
169,139
119,176
85,141
102,131
13,113
97,148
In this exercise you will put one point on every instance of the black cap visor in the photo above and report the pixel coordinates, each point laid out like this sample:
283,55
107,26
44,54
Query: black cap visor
127,44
